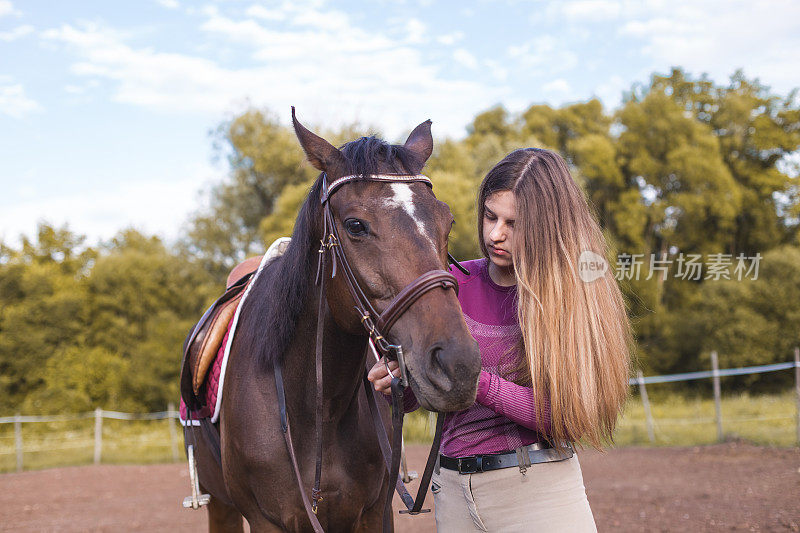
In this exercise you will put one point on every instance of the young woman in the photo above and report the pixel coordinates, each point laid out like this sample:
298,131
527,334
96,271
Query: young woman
555,342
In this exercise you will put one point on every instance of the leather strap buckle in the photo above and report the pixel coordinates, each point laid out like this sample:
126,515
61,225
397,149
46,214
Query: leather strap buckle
470,465
397,351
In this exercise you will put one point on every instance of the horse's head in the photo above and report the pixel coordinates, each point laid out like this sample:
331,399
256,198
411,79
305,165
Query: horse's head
392,233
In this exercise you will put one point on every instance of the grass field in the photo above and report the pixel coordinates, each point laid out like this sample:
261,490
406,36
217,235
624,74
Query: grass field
678,421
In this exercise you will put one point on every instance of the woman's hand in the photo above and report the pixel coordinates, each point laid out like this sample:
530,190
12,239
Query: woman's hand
380,377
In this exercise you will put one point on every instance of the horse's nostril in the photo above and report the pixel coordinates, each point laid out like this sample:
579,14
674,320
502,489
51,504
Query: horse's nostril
450,375
436,355
436,358
444,370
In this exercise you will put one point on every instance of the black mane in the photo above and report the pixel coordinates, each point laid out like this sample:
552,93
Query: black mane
280,294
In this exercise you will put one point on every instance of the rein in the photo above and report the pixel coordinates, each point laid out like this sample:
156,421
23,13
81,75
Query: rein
377,326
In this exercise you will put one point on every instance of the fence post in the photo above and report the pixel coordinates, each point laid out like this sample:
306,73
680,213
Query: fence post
717,393
98,435
646,402
18,440
173,438
797,388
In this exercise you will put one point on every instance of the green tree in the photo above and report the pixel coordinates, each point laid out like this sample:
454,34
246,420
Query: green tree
264,157
692,200
143,300
753,321
757,130
44,307
78,379
557,129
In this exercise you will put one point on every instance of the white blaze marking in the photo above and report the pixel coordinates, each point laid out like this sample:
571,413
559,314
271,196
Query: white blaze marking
403,197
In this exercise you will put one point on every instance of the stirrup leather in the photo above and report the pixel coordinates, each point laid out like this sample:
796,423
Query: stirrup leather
196,500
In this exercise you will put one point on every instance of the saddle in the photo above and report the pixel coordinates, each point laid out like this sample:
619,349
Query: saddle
203,343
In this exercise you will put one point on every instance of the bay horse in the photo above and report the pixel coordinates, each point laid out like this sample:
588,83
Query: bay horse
392,234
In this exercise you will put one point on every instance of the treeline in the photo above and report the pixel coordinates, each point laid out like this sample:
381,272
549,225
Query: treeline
683,168
84,327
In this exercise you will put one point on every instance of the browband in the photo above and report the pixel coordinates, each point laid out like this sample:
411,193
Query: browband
392,178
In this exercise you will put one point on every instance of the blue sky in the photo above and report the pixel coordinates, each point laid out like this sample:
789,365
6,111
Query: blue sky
106,107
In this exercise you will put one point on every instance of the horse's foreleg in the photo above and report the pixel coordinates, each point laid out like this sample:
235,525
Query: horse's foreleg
372,518
223,518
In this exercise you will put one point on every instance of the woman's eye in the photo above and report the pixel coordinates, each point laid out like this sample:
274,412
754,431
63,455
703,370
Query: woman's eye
355,227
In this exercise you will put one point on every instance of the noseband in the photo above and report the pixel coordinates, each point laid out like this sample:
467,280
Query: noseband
377,326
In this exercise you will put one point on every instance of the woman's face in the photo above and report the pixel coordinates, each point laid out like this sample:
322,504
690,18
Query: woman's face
500,211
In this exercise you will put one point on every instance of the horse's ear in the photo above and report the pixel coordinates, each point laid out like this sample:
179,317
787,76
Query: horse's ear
321,154
420,143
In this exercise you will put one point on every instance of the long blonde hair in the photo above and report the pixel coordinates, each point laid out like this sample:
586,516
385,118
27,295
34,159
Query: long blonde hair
575,334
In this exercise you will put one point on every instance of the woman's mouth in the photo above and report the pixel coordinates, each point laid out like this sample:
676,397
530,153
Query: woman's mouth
498,252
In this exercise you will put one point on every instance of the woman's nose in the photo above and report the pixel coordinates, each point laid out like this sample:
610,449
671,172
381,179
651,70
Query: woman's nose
497,234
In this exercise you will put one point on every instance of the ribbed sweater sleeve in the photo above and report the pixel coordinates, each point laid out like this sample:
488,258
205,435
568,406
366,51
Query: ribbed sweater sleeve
512,401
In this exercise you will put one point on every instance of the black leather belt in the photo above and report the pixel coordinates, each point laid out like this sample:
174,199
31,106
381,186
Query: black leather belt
536,453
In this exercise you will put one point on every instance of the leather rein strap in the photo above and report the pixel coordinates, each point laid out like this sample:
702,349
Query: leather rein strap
377,326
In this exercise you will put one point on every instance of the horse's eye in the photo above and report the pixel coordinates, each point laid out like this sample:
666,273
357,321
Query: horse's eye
355,227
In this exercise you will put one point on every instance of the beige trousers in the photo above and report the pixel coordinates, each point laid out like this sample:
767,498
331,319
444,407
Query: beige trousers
550,497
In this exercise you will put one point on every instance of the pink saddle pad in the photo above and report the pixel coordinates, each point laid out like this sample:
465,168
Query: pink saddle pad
211,386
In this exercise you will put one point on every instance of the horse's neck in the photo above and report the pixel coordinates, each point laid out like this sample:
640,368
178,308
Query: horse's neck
343,365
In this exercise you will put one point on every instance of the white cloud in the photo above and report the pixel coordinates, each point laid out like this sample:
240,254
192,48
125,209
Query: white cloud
7,8
169,4
16,33
363,74
466,59
81,89
449,39
261,12
610,91
545,53
152,206
591,10
497,69
15,103
719,36
559,85
703,36
415,31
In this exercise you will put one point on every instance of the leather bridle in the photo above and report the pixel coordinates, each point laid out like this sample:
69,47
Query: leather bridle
377,326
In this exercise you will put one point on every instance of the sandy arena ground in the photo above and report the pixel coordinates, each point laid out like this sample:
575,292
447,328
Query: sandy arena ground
731,486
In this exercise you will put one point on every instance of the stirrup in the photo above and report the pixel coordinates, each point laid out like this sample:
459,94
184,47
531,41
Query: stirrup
196,500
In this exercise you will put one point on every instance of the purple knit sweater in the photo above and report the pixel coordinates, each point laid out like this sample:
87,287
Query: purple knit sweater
503,416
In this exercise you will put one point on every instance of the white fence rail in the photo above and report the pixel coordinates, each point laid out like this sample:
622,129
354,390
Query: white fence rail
641,381
98,415
716,373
